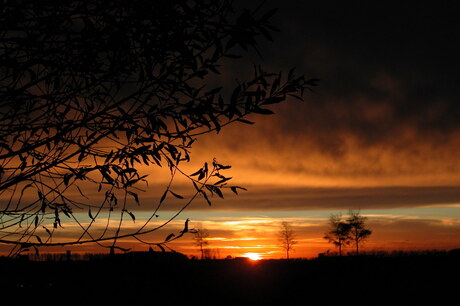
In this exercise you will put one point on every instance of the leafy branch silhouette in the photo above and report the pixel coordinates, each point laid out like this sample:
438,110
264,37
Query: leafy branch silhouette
92,90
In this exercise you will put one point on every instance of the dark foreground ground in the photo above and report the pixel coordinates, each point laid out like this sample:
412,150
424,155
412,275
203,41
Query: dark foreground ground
169,280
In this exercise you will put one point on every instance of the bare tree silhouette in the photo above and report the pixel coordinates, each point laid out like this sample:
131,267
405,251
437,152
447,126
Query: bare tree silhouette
201,236
358,230
287,237
91,90
338,233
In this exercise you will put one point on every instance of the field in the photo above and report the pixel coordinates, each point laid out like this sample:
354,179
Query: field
174,280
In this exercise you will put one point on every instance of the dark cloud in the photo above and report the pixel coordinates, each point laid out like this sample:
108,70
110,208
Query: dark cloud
276,198
343,198
387,71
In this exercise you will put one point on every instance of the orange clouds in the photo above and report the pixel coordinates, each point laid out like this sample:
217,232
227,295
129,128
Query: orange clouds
268,153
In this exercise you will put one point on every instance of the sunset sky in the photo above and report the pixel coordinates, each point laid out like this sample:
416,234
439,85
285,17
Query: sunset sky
380,133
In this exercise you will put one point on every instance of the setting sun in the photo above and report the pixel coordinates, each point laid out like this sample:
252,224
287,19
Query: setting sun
253,256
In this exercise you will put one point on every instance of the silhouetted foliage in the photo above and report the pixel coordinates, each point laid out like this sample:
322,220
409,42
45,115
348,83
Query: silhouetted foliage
358,229
338,233
287,238
344,232
91,90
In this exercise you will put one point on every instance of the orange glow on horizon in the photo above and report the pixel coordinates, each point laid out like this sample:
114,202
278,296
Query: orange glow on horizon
256,237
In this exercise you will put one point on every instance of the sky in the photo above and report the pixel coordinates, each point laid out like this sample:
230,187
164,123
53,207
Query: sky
380,134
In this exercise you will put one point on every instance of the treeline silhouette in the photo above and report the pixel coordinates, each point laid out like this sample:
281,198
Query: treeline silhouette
76,257
397,276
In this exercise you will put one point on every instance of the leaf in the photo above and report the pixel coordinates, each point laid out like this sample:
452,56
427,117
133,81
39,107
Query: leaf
222,167
296,97
196,173
81,156
169,237
25,187
40,194
196,186
275,85
79,190
67,178
244,121
107,177
43,207
291,73
129,170
219,192
234,189
164,195
185,230
135,196
263,111
222,181
66,212
176,195
47,230
132,216
23,165
206,198
273,100
145,159
202,175
39,239
90,214
216,122
205,167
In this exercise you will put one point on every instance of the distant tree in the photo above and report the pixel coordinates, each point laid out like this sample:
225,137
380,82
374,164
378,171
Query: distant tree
287,238
358,230
215,253
201,241
338,233
91,90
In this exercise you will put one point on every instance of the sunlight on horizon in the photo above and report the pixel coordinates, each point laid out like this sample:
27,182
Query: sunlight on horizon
253,256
